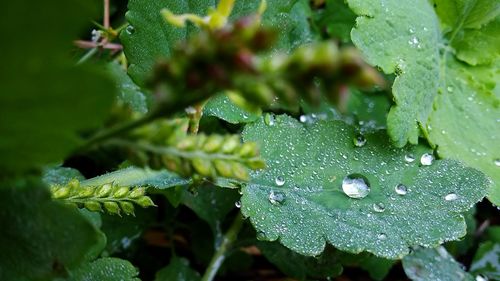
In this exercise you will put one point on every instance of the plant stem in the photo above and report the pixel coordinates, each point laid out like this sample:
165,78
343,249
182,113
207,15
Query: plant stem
220,254
87,56
118,130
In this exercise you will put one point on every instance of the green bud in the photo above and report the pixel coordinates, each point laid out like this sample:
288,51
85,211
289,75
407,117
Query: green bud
121,192
74,183
104,190
112,207
137,192
325,53
144,201
240,171
127,207
172,163
61,192
256,163
230,144
93,206
202,166
187,143
223,168
85,191
213,143
248,149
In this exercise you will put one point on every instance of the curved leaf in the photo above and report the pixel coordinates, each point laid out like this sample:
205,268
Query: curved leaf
298,199
106,269
223,108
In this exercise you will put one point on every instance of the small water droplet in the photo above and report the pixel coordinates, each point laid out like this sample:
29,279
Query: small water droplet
261,235
378,207
280,181
356,186
382,236
276,197
237,204
497,162
409,158
449,89
269,119
303,118
426,159
451,197
401,189
130,30
359,141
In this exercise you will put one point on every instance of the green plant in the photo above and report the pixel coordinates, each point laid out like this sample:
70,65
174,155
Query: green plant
300,137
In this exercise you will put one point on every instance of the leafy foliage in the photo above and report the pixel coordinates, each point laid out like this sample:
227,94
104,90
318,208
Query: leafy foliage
432,87
299,200
341,167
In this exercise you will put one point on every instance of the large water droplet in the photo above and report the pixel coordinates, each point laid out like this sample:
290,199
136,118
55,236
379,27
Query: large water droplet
426,159
359,141
497,162
269,119
401,189
409,158
276,197
356,186
280,181
382,236
130,30
237,204
451,197
379,207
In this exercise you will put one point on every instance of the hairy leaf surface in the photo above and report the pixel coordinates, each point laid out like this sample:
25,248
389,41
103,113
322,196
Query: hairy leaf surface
106,269
298,198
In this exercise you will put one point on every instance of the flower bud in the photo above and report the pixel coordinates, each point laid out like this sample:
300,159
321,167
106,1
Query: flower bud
144,202
137,192
239,171
93,206
213,143
127,207
223,168
230,144
248,149
60,193
85,191
112,207
121,192
104,190
202,166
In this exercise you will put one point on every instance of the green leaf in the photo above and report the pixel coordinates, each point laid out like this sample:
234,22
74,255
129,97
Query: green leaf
298,199
129,92
433,87
178,269
46,100
487,261
461,247
134,176
337,19
106,269
434,264
39,237
223,108
149,37
299,266
472,27
378,268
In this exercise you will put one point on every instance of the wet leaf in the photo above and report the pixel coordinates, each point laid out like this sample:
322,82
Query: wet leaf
392,198
178,269
487,260
106,269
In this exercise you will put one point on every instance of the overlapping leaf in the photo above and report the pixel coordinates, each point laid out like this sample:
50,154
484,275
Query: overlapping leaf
106,269
298,199
223,108
433,87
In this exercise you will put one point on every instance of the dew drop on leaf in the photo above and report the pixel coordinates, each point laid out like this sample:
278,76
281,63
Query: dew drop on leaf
130,30
280,181
451,197
409,158
356,186
382,236
269,119
379,207
401,189
237,204
497,162
276,197
261,235
426,159
359,141
449,89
